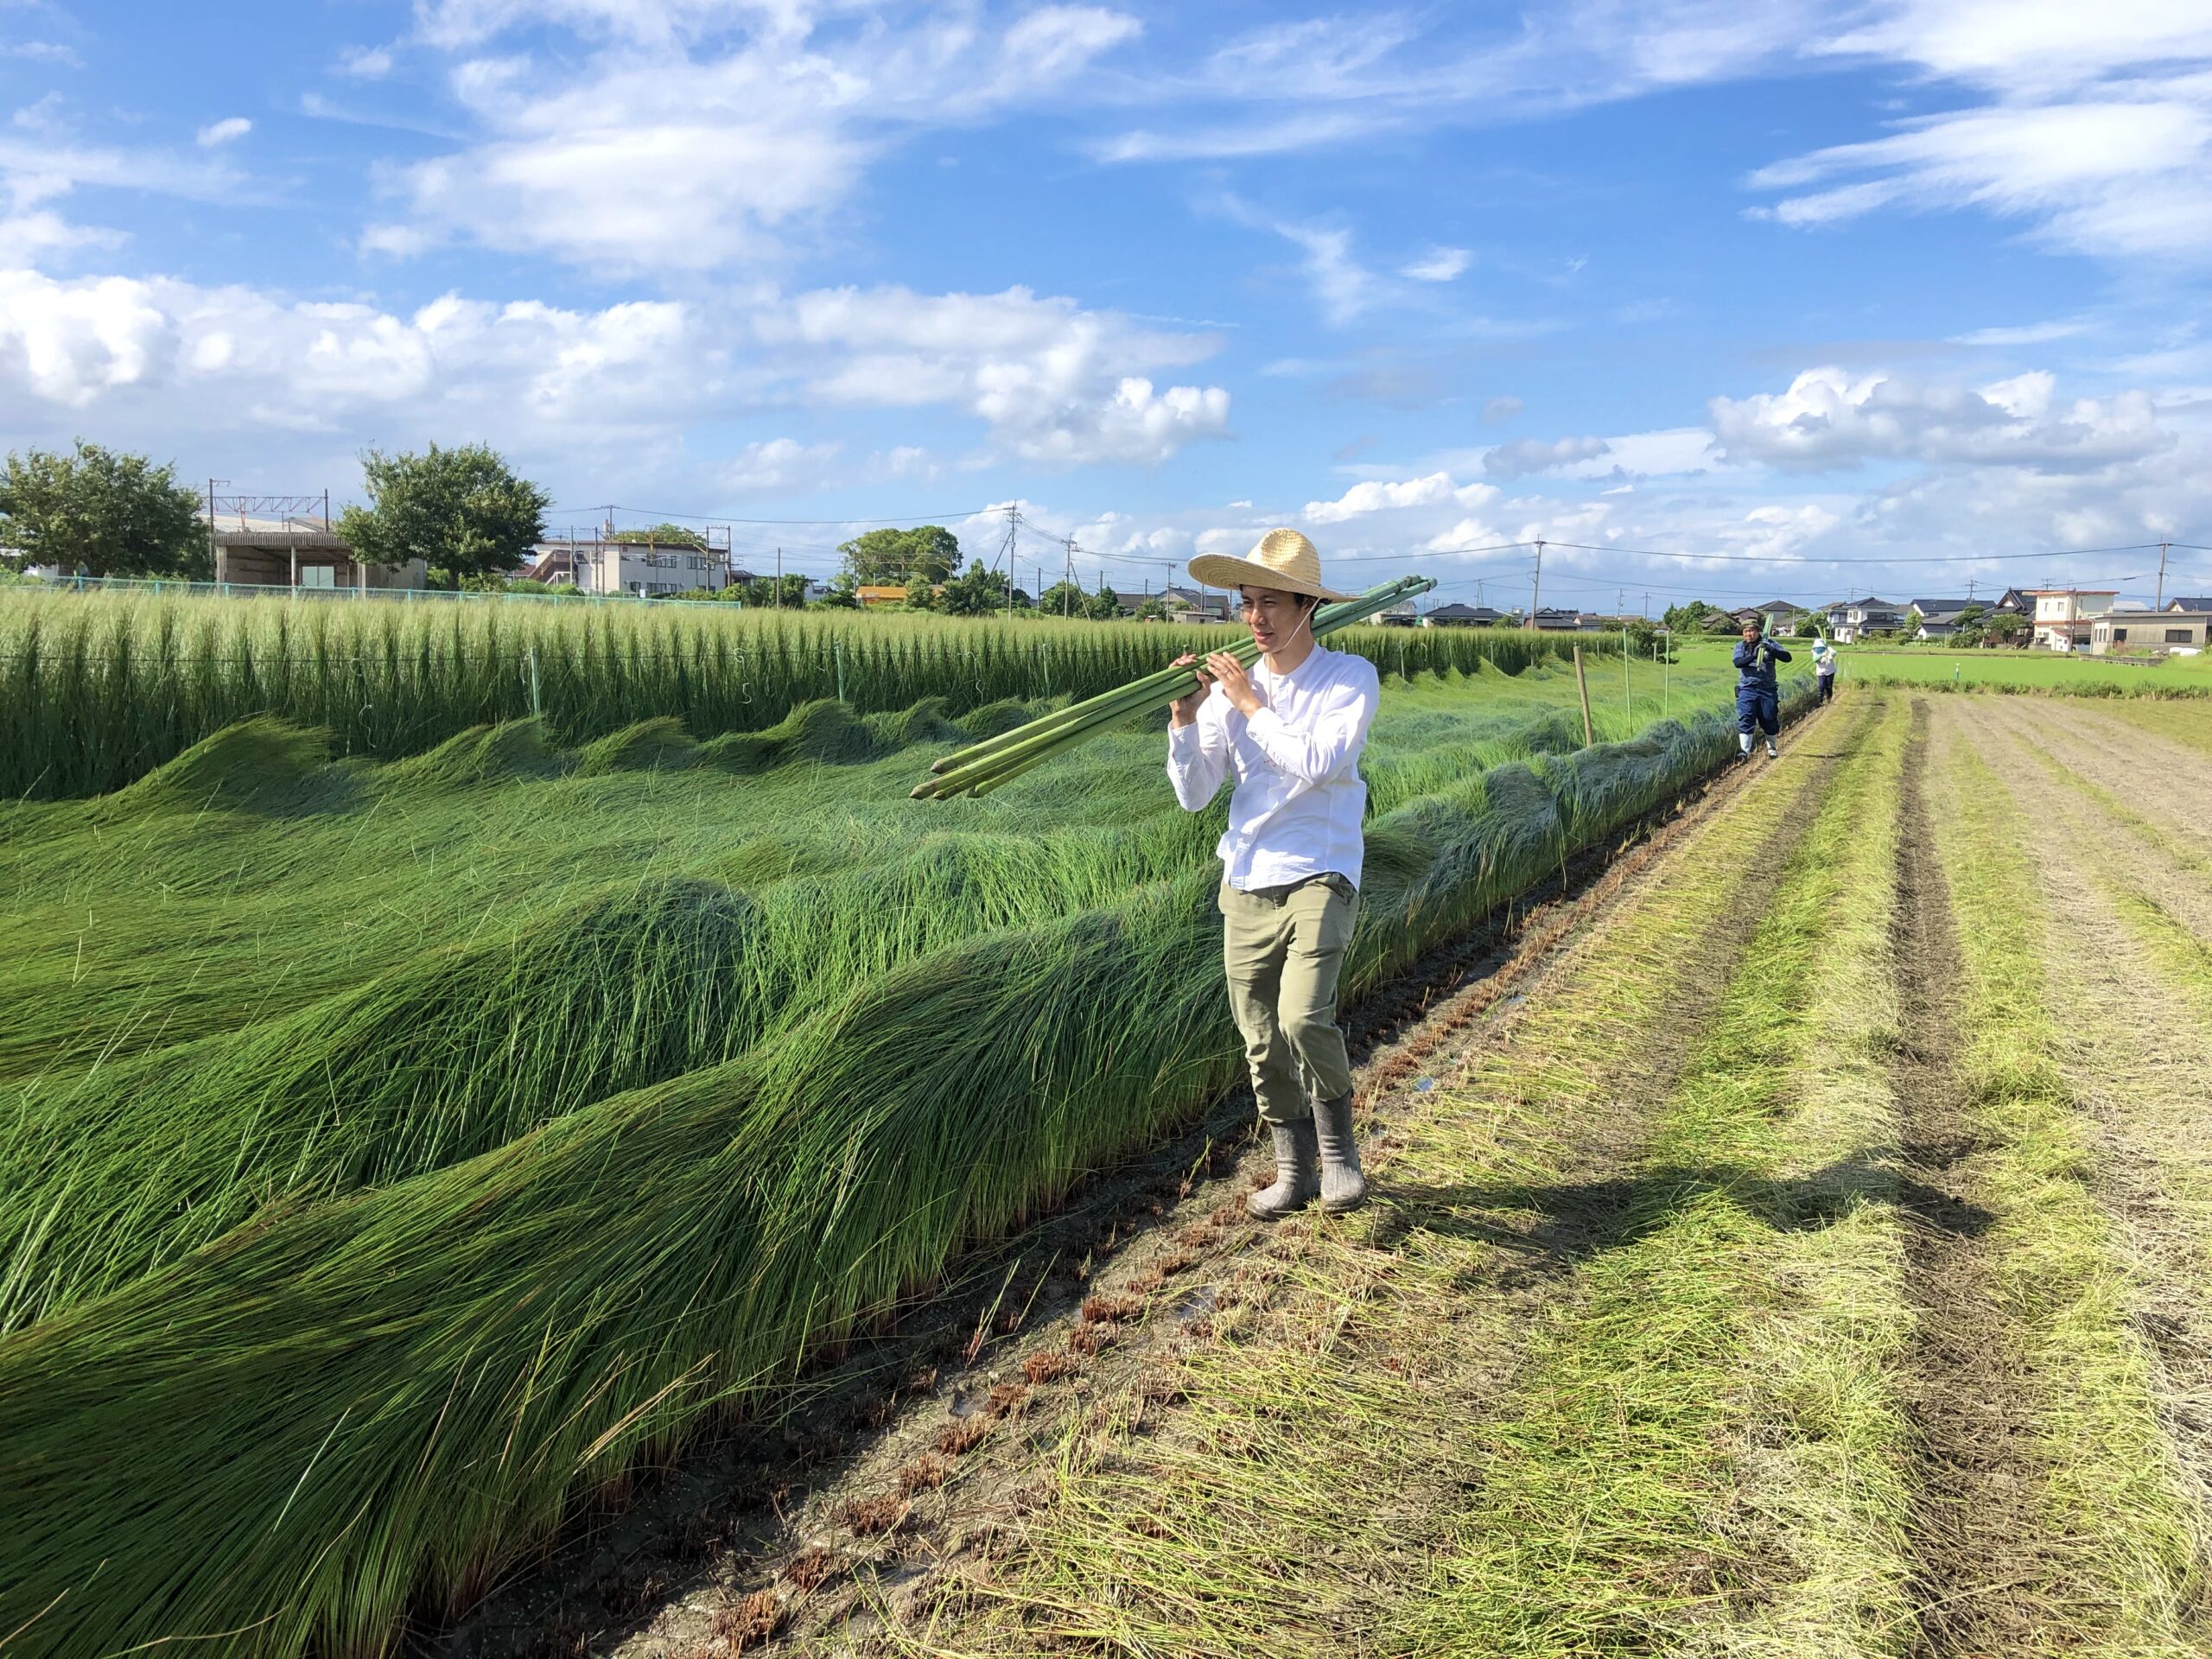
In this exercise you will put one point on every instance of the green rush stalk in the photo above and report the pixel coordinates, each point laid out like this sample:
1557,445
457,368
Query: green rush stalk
983,767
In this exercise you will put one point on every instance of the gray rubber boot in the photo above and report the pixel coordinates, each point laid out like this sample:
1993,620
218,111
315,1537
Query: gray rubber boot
1297,1179
1343,1186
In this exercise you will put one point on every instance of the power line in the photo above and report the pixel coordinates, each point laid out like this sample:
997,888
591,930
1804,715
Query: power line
729,518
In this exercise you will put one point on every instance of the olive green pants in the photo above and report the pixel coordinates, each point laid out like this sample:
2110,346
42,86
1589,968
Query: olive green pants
1283,948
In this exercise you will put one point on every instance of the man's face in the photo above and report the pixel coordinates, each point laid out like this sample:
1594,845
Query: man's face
1273,616
1750,633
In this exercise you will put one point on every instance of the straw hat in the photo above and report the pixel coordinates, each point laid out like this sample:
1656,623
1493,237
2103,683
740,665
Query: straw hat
1284,559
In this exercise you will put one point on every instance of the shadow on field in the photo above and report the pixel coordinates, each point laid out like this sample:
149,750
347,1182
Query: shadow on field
1544,1230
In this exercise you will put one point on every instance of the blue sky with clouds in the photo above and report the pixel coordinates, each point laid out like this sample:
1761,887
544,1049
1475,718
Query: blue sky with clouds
1825,284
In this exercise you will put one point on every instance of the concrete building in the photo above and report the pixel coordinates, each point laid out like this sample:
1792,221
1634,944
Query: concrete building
2163,630
298,550
2063,616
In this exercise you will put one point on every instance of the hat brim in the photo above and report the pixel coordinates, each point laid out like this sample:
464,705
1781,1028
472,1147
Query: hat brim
1219,570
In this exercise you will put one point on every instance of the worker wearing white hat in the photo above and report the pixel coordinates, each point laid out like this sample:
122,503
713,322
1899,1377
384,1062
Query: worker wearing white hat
1291,730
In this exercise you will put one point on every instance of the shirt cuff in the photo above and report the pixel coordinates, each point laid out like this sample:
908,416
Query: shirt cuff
1182,740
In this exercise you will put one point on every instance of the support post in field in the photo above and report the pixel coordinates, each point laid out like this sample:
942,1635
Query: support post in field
536,709
1582,685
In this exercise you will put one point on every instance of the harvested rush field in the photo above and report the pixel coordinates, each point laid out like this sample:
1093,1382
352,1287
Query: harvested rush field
436,1147
1796,1242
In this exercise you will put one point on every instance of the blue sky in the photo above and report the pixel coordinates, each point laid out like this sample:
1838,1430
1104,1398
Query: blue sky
1790,294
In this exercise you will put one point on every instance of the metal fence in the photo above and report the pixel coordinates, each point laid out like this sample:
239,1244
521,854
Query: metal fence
159,585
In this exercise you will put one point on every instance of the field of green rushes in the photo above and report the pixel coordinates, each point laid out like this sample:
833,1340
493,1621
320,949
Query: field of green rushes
395,1151
97,689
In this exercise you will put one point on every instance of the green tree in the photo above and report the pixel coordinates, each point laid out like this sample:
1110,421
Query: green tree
1064,599
1689,617
841,596
1152,608
1104,605
975,592
462,511
918,596
882,557
101,512
760,593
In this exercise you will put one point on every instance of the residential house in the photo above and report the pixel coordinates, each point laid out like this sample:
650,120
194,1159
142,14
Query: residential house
1460,616
1774,616
1935,619
1192,605
648,569
1403,614
2169,630
2192,606
2063,615
1557,621
1855,619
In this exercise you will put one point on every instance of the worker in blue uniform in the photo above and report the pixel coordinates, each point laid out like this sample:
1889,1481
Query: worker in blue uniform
1758,699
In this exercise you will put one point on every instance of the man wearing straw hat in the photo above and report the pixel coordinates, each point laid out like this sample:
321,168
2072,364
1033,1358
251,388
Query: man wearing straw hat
1290,730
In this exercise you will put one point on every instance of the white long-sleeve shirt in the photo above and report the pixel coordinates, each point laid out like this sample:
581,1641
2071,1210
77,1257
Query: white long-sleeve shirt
1298,798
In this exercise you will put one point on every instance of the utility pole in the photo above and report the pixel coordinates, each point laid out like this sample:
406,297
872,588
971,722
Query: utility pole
1006,553
214,551
1537,583
1478,592
1067,580
2161,603
780,578
1647,604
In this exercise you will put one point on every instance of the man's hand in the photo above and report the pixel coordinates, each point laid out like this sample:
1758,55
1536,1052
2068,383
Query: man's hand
1235,684
1184,709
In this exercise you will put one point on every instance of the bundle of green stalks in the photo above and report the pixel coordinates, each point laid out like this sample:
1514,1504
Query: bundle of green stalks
137,1163
983,767
98,690
373,1403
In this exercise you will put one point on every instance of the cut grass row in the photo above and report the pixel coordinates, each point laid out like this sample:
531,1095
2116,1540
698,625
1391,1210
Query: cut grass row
1707,1436
97,690
2114,1564
383,1397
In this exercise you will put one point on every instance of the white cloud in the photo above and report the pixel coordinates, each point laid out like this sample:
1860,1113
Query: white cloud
1498,411
2112,175
693,136
1381,495
1437,265
1055,42
1831,418
1524,456
24,235
51,52
365,62
777,464
224,131
1052,382
2032,334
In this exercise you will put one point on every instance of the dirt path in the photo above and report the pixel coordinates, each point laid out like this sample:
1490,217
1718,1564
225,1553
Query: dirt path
1977,1530
959,1454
